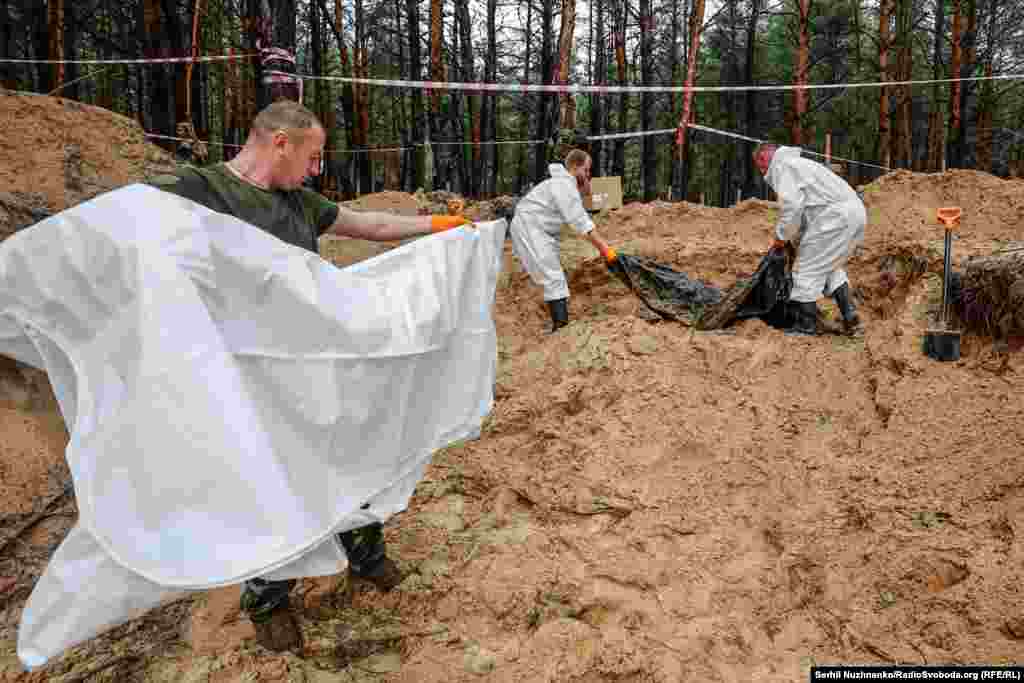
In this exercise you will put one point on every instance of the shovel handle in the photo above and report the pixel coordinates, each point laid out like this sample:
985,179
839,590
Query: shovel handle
949,216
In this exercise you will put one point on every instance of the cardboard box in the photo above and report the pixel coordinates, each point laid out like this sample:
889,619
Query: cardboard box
605,193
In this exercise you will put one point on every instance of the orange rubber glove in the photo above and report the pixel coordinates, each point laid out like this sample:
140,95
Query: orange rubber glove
442,223
611,255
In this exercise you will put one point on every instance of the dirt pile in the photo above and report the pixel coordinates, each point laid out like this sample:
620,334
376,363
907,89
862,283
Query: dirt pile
344,251
649,502
442,202
993,208
57,153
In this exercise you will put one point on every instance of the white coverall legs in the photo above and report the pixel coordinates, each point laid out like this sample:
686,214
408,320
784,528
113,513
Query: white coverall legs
540,254
833,233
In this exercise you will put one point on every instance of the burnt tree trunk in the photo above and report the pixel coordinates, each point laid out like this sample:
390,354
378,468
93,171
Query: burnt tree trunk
800,77
682,138
952,145
649,156
935,120
547,71
437,74
41,40
750,178
56,35
884,42
969,43
491,100
567,105
902,154
159,78
524,121
362,99
597,100
471,167
620,9
8,78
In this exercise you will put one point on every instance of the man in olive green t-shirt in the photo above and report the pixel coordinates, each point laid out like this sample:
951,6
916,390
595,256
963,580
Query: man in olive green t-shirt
263,185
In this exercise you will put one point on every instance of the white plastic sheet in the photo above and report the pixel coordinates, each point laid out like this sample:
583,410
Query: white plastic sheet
232,400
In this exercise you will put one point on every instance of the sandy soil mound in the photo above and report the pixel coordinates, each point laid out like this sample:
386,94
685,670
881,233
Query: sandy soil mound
57,153
401,203
993,208
652,503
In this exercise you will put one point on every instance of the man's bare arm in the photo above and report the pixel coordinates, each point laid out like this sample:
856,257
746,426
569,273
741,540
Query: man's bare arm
378,226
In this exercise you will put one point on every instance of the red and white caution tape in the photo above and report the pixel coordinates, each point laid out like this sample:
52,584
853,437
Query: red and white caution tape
632,134
360,151
730,134
480,88
153,60
610,136
205,142
725,133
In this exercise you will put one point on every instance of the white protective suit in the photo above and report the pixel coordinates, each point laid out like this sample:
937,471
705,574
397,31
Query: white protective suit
537,226
831,218
233,400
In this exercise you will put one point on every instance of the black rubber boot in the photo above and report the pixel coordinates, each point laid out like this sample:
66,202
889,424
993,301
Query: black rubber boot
559,313
268,607
805,319
367,557
851,321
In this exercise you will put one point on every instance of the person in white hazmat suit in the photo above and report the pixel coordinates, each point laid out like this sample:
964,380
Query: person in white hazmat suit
537,225
831,218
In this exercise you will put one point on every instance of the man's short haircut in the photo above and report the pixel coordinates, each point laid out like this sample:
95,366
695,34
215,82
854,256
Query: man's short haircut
286,115
575,158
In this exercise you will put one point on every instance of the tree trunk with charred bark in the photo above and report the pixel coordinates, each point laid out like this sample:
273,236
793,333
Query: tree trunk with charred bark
471,168
884,42
159,78
347,94
800,77
987,104
547,70
491,100
620,10
750,179
649,156
522,168
437,74
969,44
415,73
56,34
902,154
41,38
567,106
682,137
8,79
597,100
935,120
361,100
952,146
